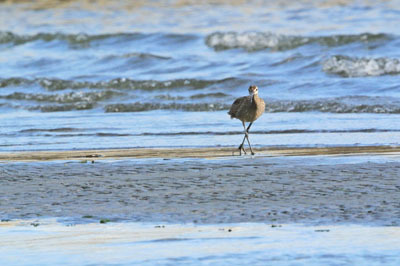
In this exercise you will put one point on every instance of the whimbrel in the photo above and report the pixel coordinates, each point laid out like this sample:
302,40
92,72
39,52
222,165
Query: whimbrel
247,109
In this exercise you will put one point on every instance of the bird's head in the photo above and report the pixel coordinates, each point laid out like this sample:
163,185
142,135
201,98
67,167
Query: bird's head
253,90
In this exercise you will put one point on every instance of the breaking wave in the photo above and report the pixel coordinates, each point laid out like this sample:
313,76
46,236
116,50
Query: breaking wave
346,66
83,40
254,41
118,83
349,104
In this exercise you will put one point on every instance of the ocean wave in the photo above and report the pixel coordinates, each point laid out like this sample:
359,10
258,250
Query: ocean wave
11,82
254,41
140,107
72,97
330,105
353,104
346,66
107,96
348,104
118,83
63,107
83,40
198,96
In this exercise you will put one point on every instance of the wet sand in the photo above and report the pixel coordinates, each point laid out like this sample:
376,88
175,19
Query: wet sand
311,206
137,153
295,189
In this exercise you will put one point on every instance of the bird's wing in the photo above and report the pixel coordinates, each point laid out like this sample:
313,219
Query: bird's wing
236,105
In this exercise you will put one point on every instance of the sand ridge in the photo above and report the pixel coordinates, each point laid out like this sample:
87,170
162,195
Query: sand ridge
209,152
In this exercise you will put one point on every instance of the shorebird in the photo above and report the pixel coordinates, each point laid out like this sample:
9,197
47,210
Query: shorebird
247,109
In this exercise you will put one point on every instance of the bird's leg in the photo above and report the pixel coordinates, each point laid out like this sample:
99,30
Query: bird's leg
247,137
248,141
248,128
241,148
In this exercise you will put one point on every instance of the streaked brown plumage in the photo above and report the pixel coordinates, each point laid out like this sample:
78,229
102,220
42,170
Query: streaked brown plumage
247,109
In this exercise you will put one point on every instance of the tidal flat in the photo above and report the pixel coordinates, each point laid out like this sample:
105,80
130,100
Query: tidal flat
283,189
282,210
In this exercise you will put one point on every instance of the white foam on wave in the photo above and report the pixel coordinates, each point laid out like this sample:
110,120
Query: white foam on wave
361,67
253,41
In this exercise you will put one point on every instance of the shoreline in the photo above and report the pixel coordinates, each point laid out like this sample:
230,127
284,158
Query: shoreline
205,153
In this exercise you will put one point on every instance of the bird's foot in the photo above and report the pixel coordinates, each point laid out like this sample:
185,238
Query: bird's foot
241,149
251,150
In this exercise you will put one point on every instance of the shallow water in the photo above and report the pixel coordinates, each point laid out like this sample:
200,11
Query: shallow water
120,74
46,242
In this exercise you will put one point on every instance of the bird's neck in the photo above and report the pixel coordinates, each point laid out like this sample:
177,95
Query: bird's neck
254,97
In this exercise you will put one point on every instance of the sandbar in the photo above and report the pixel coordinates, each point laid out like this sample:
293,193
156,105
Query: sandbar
207,152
